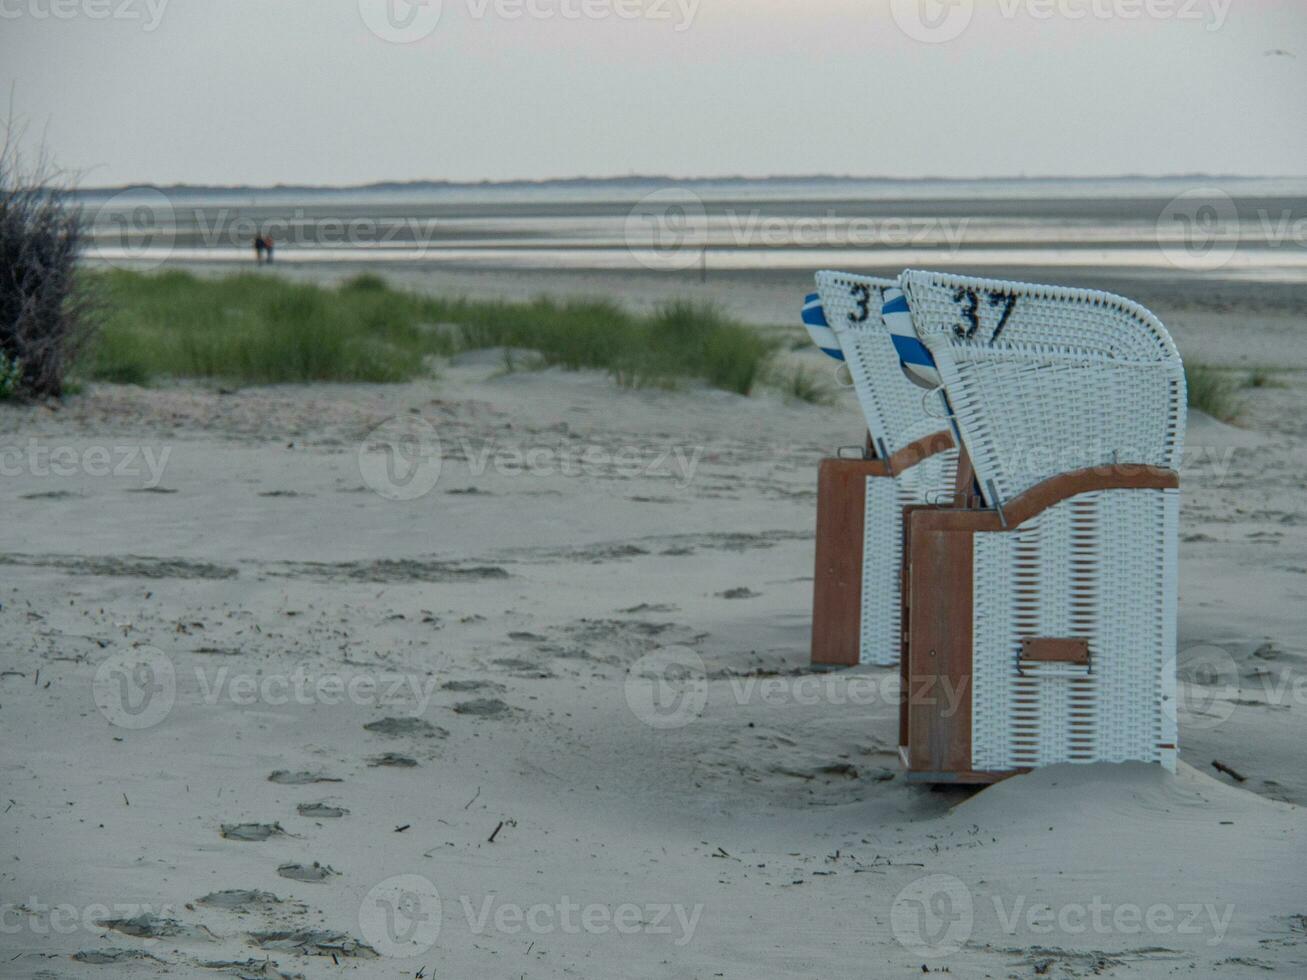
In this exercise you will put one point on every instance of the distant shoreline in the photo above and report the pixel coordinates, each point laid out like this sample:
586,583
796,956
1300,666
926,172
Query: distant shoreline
646,180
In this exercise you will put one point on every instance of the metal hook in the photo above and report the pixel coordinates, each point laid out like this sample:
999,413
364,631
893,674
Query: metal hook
925,403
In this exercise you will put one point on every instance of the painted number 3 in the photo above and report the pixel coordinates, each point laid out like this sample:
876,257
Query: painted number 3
862,293
969,299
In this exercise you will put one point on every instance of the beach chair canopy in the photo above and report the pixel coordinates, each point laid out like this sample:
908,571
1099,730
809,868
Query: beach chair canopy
898,411
1043,380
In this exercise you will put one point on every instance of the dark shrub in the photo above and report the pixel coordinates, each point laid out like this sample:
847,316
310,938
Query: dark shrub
45,318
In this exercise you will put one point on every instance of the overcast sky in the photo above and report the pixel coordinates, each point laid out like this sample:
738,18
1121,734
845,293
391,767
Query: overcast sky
319,91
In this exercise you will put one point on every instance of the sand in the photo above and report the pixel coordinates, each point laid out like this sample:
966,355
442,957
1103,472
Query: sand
422,702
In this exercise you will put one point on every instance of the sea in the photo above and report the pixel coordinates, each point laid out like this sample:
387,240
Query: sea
1235,228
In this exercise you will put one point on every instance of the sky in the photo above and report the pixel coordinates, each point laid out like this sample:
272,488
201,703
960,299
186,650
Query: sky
356,91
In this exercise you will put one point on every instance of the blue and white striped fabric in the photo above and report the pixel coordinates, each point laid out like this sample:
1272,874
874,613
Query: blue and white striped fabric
814,318
917,363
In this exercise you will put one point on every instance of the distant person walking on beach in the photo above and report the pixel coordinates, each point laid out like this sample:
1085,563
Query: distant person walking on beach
267,244
260,246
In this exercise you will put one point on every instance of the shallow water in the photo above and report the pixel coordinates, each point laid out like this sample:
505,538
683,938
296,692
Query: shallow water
1240,229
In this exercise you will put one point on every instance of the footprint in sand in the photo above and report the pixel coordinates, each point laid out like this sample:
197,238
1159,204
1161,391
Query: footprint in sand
483,708
646,607
313,942
313,873
740,593
147,926
286,777
844,769
240,900
321,810
467,687
252,831
570,653
393,760
406,726
108,957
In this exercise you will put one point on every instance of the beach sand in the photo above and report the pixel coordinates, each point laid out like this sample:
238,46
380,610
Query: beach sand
575,533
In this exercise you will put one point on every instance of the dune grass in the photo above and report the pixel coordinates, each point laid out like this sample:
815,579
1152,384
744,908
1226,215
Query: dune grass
246,328
1262,378
1212,391
804,384
259,329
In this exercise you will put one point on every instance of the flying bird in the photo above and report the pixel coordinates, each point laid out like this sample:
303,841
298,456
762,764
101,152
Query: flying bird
1281,53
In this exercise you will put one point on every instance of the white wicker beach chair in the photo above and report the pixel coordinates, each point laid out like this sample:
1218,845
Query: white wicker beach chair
1050,612
857,597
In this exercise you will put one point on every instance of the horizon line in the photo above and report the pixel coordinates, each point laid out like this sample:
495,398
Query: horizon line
670,179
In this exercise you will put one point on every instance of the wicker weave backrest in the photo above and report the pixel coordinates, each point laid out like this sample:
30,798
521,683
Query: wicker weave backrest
1043,379
896,410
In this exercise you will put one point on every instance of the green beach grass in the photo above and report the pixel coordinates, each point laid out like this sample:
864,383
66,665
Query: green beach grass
260,329
1213,391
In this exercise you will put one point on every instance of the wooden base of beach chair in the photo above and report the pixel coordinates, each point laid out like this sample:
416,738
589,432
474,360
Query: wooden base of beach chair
936,668
837,608
837,577
960,778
